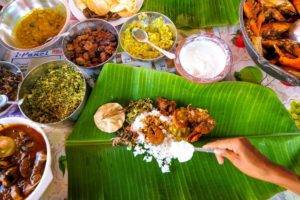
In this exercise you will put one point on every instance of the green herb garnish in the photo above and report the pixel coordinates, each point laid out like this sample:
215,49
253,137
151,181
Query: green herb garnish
55,95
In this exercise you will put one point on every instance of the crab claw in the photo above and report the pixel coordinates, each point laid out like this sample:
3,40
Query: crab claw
290,62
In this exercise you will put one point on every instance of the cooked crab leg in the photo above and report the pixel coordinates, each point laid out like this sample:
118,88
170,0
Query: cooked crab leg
287,60
282,54
248,10
272,12
290,62
296,4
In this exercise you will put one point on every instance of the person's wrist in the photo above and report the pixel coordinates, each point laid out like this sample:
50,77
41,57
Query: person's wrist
269,172
281,176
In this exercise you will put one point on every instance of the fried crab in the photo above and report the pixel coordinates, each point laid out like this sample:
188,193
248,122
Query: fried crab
267,23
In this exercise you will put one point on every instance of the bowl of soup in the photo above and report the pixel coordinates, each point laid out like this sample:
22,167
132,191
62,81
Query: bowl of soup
25,159
32,25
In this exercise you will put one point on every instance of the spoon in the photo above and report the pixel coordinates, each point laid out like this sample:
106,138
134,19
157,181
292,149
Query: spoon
4,100
294,31
204,150
141,36
57,36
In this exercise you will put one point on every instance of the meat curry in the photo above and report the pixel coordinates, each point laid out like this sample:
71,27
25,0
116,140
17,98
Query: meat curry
22,170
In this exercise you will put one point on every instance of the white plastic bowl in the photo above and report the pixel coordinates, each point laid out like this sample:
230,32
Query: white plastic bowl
47,175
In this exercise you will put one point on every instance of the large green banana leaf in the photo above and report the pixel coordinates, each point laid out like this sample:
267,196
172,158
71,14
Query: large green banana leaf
197,13
99,171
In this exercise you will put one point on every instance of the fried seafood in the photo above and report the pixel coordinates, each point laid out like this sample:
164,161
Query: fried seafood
165,106
155,135
267,23
196,119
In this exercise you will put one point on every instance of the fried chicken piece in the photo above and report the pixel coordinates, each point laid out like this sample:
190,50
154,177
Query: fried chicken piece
165,106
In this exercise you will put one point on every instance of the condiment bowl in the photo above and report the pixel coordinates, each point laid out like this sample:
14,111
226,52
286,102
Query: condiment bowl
39,71
15,70
79,29
145,18
15,10
216,42
47,175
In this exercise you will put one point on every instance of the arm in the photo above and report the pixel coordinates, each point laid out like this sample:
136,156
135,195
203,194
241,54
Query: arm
250,161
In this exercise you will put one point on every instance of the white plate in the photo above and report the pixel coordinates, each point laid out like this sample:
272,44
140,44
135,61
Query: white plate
80,16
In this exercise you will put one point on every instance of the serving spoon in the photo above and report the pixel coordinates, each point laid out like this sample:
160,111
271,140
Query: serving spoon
57,36
141,36
204,150
4,101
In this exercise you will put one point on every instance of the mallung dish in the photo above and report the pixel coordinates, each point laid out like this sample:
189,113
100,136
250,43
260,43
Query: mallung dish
22,161
267,24
55,94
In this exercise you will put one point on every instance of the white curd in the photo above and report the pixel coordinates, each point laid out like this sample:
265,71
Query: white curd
203,59
182,150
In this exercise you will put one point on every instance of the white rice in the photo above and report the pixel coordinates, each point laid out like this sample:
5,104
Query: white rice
162,153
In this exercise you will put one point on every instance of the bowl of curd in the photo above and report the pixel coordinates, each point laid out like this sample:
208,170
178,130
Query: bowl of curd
203,58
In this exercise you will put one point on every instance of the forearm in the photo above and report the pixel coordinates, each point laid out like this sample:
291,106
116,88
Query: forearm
284,178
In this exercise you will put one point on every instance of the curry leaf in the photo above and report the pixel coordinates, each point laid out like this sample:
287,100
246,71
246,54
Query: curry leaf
62,161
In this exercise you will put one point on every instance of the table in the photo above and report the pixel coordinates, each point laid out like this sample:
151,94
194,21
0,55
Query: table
58,134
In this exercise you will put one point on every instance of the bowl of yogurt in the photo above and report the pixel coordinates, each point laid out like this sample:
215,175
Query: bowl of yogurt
203,58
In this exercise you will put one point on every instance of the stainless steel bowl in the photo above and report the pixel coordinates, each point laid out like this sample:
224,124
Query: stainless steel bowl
275,71
80,27
36,73
15,70
15,10
150,17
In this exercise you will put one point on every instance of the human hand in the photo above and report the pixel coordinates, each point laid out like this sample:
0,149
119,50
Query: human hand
250,161
242,155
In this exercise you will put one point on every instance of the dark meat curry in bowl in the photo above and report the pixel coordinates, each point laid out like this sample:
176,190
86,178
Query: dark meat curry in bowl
23,156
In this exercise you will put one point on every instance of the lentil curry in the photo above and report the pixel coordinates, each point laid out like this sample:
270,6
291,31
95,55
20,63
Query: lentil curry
35,28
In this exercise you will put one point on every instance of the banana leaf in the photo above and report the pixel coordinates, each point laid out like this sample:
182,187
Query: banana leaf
196,13
99,171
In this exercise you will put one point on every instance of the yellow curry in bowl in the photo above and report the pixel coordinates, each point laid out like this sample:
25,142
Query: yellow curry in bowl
35,28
